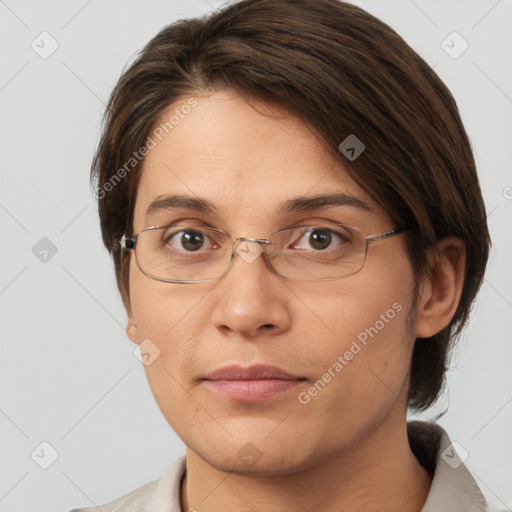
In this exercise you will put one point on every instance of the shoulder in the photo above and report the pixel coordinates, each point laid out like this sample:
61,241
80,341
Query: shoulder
453,486
136,500
159,495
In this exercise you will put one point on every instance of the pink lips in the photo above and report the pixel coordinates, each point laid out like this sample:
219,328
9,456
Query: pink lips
255,383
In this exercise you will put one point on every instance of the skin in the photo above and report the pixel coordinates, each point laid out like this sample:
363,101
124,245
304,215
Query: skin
346,449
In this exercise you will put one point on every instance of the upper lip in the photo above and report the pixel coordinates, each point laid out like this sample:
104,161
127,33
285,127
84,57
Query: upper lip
254,372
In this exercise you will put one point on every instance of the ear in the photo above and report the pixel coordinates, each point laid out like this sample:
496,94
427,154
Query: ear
131,328
440,292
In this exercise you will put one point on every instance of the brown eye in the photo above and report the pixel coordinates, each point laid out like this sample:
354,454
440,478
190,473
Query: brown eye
186,240
192,240
320,238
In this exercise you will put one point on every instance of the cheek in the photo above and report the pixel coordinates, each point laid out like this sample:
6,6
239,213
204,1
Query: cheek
361,369
159,308
372,304
169,316
167,320
367,344
370,335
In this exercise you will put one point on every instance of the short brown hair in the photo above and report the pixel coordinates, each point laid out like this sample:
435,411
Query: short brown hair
342,71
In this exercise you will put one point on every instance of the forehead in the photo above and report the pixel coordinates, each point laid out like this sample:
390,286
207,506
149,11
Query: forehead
244,156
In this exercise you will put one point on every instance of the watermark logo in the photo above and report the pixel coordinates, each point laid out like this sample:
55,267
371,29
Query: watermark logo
249,251
352,147
249,454
454,45
44,45
44,455
146,352
44,250
454,455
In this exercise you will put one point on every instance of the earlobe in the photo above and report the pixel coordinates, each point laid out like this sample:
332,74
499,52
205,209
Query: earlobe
131,329
440,292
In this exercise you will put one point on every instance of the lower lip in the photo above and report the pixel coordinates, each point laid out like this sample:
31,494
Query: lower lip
251,390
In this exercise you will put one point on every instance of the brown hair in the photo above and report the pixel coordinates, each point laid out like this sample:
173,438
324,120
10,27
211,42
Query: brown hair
342,71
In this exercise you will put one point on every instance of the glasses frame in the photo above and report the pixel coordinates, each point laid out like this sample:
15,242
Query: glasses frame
129,243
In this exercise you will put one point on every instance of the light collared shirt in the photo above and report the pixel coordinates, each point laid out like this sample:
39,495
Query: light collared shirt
453,487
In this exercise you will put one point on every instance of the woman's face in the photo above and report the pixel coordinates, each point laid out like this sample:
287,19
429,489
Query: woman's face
347,342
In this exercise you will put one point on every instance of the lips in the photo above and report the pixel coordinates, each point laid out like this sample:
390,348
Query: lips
255,372
255,383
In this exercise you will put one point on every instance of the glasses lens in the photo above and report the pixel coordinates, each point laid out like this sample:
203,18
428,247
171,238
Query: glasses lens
327,251
183,253
309,252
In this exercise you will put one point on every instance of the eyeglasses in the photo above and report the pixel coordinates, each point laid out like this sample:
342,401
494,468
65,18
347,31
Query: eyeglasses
185,254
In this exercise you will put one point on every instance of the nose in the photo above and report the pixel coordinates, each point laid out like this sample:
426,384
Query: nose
251,299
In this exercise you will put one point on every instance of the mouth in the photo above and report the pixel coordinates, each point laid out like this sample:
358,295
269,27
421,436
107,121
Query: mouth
255,383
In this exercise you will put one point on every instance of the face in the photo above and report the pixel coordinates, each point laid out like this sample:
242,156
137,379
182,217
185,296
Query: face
346,342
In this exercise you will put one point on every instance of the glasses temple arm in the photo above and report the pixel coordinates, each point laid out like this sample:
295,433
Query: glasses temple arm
382,236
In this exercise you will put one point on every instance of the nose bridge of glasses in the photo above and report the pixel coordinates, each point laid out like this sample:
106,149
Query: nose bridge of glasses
249,248
259,241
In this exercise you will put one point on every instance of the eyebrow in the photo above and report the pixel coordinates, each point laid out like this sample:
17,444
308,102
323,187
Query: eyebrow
320,201
291,205
181,202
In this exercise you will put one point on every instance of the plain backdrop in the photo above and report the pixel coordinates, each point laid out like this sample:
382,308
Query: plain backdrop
68,374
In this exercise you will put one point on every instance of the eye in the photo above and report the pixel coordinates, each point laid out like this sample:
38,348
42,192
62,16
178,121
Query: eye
189,240
320,238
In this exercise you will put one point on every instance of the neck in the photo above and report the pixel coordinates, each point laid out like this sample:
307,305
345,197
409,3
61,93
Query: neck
379,472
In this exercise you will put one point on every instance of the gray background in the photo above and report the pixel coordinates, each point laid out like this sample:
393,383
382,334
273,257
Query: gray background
68,373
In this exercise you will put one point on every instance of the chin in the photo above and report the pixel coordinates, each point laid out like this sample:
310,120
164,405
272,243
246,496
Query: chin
258,449
260,465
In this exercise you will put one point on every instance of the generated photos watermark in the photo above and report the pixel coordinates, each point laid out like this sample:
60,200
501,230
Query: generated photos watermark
356,346
137,156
